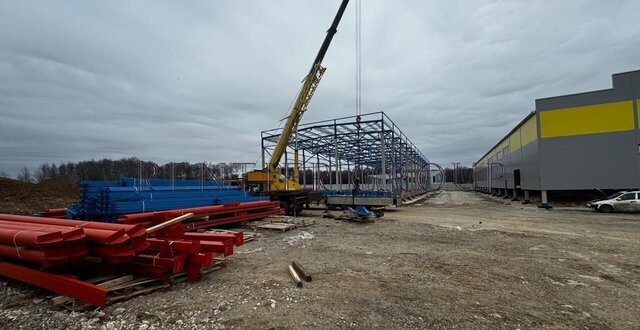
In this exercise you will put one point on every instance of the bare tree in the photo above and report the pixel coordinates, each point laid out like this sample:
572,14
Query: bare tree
4,174
25,175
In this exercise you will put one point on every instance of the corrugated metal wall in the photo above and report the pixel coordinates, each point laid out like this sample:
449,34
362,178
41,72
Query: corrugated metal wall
581,141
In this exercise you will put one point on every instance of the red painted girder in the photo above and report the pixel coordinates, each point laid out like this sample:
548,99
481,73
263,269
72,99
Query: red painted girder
222,221
237,238
190,246
65,285
70,236
30,238
94,235
120,250
131,230
203,211
174,265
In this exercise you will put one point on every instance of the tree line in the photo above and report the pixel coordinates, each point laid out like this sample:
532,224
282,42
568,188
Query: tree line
111,170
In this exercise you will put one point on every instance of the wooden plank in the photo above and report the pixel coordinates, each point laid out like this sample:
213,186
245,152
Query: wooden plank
170,222
138,292
295,276
301,271
108,284
99,279
113,283
133,283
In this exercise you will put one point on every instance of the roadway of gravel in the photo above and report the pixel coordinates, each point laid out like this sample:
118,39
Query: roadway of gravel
456,260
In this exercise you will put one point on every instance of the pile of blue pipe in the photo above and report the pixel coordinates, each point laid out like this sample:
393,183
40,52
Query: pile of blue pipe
106,200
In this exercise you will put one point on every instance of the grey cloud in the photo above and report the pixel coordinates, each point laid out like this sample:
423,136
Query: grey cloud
195,81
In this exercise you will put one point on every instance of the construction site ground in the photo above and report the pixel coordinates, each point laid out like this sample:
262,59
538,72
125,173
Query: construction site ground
455,260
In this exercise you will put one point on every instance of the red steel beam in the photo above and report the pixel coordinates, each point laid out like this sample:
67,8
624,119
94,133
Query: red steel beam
237,238
30,238
61,284
94,235
191,246
202,211
223,221
131,230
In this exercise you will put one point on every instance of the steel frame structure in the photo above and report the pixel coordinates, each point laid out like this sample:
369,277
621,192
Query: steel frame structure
371,148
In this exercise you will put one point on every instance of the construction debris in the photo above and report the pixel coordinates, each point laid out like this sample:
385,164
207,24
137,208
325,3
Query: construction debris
301,271
328,215
282,223
295,276
301,236
359,214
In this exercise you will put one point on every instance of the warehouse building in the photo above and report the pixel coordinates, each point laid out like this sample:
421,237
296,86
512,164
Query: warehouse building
574,142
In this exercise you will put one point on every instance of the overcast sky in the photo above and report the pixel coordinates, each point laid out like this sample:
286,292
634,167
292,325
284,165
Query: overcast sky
198,80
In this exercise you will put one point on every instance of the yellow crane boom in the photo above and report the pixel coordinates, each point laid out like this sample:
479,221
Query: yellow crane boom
271,178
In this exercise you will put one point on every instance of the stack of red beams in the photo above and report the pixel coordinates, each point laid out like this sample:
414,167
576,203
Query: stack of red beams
173,251
97,249
34,239
208,216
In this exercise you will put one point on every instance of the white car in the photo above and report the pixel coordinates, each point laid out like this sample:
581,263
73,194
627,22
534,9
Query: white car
624,201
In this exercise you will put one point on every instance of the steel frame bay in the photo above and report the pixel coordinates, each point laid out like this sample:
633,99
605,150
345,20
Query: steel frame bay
371,148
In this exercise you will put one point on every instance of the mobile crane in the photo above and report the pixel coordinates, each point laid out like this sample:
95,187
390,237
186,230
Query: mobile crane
271,181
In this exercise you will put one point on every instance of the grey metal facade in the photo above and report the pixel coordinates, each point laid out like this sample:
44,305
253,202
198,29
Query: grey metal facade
581,141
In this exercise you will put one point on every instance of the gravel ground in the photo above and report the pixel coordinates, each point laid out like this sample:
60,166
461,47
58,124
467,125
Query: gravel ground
457,260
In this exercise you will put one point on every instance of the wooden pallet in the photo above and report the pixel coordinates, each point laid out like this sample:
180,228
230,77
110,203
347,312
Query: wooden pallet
282,221
127,286
277,226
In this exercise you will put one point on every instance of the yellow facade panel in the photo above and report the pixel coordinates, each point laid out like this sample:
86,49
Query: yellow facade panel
515,141
529,131
504,144
591,119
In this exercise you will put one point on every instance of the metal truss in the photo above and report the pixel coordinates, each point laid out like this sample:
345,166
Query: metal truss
368,151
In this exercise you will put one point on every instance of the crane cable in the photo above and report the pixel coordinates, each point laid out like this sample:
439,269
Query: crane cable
358,77
358,9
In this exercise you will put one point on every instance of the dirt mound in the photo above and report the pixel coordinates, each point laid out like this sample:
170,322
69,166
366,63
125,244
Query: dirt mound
26,198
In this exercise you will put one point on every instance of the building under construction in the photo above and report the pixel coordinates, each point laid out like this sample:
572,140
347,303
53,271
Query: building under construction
367,154
574,142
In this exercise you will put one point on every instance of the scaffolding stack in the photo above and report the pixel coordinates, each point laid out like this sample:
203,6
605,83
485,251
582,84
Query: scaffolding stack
367,155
